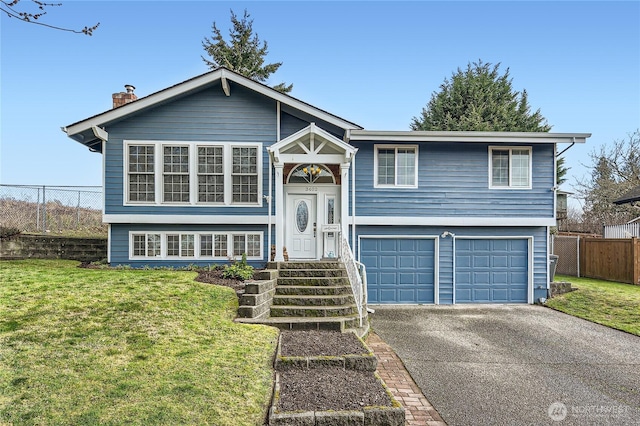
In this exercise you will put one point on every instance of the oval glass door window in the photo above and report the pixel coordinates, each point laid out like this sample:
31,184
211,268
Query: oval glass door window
302,216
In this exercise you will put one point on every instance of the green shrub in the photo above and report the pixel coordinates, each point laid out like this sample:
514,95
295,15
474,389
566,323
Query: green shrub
8,231
238,270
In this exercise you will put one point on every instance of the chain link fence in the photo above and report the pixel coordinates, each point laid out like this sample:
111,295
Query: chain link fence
58,210
568,251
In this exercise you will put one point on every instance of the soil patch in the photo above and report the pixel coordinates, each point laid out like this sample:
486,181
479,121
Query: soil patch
215,277
320,343
330,389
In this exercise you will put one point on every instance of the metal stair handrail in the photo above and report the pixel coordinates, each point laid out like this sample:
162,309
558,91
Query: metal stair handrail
354,270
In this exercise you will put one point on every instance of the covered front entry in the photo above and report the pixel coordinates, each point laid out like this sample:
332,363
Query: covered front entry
311,169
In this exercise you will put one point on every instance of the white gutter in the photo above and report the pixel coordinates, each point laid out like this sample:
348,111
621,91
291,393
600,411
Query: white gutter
457,136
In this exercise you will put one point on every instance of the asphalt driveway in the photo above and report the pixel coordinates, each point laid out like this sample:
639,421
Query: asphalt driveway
516,364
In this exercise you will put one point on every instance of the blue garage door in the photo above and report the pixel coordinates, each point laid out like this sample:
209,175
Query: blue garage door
399,270
491,271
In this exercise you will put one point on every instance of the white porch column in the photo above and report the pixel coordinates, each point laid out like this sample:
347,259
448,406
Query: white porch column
344,198
279,213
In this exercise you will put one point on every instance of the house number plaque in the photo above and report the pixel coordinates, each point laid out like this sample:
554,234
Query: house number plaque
311,189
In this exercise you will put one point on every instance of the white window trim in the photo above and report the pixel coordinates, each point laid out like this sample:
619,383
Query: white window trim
395,147
197,235
510,149
193,173
126,174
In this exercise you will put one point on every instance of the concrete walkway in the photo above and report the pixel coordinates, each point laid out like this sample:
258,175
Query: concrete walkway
515,364
418,411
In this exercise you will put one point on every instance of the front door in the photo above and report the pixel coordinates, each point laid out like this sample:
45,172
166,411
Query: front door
302,226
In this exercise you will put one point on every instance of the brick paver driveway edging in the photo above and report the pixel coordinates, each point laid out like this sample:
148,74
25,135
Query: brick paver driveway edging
418,411
515,364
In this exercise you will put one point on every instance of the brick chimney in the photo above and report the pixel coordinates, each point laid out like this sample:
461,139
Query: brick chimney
123,98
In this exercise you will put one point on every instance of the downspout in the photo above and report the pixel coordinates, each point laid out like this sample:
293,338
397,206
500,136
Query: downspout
567,148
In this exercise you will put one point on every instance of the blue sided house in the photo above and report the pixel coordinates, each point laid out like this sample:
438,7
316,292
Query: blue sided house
220,165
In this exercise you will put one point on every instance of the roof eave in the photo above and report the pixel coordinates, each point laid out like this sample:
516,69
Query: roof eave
465,136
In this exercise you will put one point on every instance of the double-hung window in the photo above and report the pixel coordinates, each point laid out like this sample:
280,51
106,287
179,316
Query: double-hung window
210,174
396,166
176,173
141,173
245,174
510,167
193,173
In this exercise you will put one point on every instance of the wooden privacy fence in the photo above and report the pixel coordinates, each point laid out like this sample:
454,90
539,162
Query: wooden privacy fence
610,259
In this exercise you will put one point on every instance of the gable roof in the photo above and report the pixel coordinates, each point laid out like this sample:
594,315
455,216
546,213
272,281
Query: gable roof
84,131
629,196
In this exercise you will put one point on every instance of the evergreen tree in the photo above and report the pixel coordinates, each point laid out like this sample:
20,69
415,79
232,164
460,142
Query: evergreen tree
561,171
244,53
479,99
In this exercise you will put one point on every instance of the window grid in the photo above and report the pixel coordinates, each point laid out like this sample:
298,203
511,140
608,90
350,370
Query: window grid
183,245
220,247
139,244
173,245
176,173
510,167
187,245
239,245
210,174
253,245
193,173
244,175
206,245
154,245
396,166
141,173
386,167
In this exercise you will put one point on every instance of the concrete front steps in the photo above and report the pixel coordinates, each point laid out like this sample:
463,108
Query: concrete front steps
302,296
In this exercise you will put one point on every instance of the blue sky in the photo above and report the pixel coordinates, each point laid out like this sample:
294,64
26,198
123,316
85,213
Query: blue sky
373,63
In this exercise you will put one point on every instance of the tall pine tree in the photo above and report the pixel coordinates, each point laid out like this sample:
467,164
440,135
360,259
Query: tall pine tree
244,53
479,99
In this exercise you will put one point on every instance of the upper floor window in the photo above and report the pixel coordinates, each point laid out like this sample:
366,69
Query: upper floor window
510,167
193,173
175,174
141,173
245,174
396,166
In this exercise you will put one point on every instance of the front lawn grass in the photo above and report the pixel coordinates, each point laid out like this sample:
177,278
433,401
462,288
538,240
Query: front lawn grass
608,303
139,347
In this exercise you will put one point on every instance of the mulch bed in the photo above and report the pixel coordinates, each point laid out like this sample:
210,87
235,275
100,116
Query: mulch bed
215,277
330,388
326,388
320,343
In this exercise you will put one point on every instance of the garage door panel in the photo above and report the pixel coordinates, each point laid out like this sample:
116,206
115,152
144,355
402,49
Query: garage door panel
399,270
491,271
407,261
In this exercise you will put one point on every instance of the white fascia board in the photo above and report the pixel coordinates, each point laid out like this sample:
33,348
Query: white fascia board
145,102
312,129
453,136
454,221
185,219
196,83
